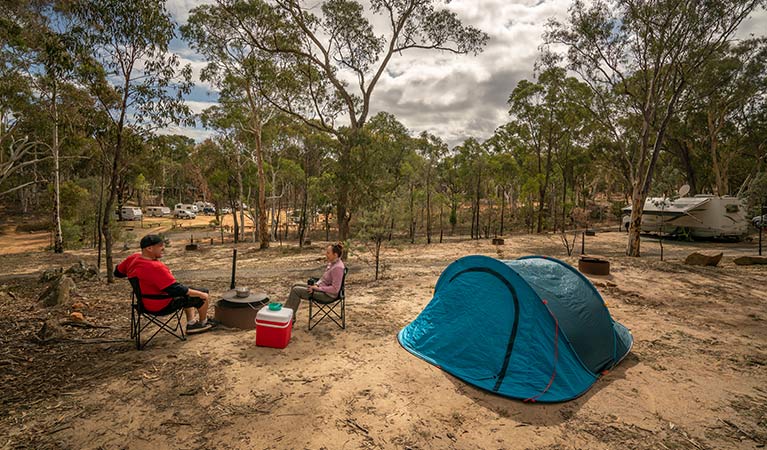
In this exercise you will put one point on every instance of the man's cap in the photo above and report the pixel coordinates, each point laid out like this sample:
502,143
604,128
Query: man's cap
150,240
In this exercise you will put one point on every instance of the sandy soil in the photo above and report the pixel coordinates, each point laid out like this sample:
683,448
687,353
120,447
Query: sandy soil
695,379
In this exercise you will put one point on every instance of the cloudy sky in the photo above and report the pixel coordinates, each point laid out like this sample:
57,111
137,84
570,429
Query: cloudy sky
452,96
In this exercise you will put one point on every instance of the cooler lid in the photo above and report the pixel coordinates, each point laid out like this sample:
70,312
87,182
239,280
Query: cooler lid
281,316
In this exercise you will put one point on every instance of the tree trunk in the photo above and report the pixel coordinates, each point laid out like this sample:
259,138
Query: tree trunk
440,222
428,207
716,163
302,225
344,211
263,233
114,184
503,209
635,227
327,225
412,214
236,225
58,239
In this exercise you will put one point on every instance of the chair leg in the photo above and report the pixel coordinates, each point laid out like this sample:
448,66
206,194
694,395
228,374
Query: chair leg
137,332
310,314
329,311
162,325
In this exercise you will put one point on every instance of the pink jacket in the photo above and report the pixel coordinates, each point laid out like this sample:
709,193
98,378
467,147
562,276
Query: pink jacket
330,283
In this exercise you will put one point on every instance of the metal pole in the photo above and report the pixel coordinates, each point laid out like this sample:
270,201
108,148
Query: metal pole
583,243
234,266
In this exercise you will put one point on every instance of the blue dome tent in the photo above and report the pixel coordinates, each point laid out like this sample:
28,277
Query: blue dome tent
534,328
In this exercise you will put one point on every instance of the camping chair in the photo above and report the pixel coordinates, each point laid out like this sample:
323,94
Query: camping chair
328,309
163,322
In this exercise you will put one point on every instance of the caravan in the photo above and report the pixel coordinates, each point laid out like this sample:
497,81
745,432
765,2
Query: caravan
701,216
130,213
158,211
185,211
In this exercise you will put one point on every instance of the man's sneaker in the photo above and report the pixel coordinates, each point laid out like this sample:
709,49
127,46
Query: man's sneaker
198,327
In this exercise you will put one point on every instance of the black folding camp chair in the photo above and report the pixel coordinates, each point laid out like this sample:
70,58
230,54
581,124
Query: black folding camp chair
163,322
319,310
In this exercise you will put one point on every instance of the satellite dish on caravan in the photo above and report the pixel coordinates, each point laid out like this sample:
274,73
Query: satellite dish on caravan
684,190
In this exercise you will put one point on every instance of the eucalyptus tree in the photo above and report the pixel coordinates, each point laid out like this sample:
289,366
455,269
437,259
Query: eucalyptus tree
726,90
472,162
638,57
432,149
236,65
541,113
136,80
330,59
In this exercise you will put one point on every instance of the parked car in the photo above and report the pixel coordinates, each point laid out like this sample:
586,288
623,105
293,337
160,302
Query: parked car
130,213
185,214
225,211
209,210
158,211
760,221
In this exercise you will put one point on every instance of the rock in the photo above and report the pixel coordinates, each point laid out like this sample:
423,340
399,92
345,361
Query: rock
50,330
77,317
50,274
751,260
703,259
82,271
78,306
190,247
58,292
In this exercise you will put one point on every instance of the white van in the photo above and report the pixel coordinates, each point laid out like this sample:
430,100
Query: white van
130,213
158,211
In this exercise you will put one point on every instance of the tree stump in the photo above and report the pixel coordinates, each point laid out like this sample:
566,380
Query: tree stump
498,241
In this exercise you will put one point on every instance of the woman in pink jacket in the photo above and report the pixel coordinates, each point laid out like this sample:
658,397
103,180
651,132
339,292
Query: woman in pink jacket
326,288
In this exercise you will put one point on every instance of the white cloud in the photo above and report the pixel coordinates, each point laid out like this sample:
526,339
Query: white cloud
198,134
456,96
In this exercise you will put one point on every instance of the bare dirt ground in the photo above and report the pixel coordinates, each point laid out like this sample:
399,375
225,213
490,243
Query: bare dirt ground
695,379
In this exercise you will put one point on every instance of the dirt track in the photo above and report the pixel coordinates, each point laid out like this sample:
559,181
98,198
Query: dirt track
695,379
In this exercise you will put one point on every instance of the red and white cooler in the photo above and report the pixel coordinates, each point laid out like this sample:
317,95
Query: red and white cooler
273,328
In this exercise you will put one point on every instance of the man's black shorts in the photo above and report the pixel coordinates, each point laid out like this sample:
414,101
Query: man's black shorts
186,301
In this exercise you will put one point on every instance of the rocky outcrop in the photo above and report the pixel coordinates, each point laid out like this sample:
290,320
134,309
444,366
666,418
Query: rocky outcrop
751,260
59,292
82,271
703,259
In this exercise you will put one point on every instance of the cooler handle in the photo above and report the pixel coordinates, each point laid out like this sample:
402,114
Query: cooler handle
268,325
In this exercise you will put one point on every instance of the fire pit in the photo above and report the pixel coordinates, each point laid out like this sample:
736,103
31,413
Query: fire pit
594,265
238,307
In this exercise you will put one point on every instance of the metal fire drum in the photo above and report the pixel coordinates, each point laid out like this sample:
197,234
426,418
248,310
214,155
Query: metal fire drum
593,265
238,307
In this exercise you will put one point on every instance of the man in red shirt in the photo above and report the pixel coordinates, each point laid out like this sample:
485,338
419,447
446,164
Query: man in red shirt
161,293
